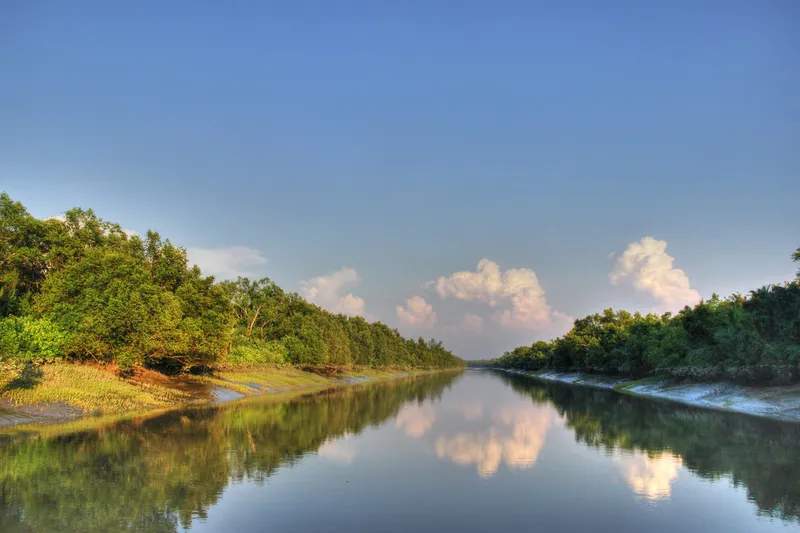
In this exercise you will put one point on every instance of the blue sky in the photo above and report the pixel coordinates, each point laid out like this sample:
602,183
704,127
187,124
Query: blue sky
407,143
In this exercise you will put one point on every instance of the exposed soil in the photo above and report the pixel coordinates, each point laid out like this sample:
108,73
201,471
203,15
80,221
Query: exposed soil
177,382
45,413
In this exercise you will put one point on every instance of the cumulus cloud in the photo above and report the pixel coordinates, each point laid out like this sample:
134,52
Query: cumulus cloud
518,287
647,265
417,312
227,262
329,292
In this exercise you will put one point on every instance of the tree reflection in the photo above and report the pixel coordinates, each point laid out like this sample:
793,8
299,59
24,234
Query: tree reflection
759,454
156,474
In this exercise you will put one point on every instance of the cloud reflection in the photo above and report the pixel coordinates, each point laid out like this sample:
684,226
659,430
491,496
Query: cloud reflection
338,451
416,420
472,411
515,438
650,477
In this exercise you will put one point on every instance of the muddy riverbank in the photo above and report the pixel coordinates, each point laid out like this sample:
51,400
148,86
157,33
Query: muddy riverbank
777,402
59,393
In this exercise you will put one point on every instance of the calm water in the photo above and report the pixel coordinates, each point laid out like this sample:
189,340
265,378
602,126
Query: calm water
473,452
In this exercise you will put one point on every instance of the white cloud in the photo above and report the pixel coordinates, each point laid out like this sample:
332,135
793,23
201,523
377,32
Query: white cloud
417,312
470,322
518,286
328,292
227,262
649,267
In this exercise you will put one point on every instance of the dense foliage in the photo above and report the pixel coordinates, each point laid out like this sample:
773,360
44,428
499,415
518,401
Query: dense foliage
82,289
753,338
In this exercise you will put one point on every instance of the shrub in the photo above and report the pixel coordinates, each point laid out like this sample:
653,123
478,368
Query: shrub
31,339
255,352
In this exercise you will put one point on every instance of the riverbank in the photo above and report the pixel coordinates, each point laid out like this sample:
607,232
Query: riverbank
778,402
58,393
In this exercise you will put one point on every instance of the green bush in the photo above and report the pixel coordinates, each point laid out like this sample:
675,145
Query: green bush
30,339
256,352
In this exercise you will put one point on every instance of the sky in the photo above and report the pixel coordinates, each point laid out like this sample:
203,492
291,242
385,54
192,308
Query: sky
477,172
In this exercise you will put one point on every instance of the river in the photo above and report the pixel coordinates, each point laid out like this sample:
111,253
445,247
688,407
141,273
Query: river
477,451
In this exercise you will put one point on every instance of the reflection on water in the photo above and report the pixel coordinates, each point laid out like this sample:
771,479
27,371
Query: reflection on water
443,452
338,451
649,477
760,455
165,471
472,411
515,438
415,420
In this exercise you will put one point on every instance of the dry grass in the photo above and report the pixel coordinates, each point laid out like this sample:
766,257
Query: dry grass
100,391
276,378
90,389
281,379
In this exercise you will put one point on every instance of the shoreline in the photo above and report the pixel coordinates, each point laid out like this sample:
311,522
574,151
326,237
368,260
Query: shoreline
780,402
174,393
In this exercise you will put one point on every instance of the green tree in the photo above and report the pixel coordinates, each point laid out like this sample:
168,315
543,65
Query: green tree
796,258
110,307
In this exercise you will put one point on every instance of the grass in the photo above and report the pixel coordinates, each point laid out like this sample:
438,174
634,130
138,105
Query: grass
273,378
90,389
281,379
97,391
39,430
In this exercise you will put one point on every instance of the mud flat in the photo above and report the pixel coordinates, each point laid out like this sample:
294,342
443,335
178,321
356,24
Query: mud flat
778,402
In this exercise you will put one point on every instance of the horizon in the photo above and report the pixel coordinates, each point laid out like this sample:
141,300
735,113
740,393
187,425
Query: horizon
483,182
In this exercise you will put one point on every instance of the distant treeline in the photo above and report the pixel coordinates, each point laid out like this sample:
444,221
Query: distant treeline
82,289
752,338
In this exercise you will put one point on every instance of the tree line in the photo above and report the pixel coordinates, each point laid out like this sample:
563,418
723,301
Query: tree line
753,338
79,288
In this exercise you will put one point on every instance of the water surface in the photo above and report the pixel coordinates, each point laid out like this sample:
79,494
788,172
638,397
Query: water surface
479,451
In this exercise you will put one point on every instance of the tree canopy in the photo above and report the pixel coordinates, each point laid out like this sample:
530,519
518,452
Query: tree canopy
80,288
753,338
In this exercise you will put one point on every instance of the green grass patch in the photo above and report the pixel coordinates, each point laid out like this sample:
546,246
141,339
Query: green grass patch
90,389
101,392
273,378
